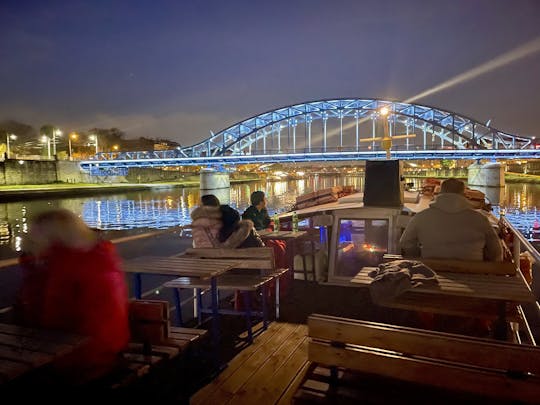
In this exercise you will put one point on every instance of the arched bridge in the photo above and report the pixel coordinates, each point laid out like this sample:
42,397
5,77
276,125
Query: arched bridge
336,130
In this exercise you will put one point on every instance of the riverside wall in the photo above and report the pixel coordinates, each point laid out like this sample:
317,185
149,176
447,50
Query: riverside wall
21,172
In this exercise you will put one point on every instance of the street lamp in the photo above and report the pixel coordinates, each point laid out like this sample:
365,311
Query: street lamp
8,137
73,136
46,139
386,139
94,138
55,133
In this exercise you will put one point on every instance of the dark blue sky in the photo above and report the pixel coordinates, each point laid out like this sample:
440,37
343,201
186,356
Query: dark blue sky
178,69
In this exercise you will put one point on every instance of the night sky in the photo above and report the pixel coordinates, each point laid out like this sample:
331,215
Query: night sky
180,69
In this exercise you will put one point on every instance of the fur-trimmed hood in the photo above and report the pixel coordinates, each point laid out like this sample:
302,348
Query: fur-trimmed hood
205,211
241,233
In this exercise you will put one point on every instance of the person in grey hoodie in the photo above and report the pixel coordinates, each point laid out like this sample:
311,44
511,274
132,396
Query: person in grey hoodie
451,229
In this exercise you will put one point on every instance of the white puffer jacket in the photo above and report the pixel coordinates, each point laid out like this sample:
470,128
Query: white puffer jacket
205,226
451,229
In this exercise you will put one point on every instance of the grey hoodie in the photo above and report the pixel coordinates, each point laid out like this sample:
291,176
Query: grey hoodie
451,229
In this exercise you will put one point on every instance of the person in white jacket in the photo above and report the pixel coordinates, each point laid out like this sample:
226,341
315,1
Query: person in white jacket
451,229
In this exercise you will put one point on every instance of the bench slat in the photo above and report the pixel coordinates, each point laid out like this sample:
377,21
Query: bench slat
437,374
225,282
444,346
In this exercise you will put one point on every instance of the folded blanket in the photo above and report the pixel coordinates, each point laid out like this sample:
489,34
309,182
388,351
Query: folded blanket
393,278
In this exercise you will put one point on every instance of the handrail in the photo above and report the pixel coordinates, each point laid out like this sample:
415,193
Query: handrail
522,240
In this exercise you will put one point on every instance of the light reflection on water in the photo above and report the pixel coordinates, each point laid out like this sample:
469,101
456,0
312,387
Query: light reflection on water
139,211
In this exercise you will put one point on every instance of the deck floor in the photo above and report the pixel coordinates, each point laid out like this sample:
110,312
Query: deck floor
269,371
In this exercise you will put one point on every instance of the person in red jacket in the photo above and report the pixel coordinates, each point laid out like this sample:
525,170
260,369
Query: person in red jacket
73,281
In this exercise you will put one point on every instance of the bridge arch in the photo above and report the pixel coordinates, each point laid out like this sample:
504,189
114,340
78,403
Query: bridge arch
337,130
412,126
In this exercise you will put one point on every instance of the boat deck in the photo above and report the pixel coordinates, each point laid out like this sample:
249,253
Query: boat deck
269,371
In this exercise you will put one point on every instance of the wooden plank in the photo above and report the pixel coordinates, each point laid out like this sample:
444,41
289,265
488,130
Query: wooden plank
270,381
35,344
191,331
179,266
256,352
142,358
148,310
469,266
288,395
441,375
248,258
451,305
225,282
234,383
156,350
56,336
443,346
21,355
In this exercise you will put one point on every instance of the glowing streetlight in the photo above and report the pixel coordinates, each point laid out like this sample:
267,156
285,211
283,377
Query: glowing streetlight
73,136
95,139
8,137
47,140
115,147
55,133
386,141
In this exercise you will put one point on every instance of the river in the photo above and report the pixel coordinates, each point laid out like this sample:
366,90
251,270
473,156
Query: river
139,211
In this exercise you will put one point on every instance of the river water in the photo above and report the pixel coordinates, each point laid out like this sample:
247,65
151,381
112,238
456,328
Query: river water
138,211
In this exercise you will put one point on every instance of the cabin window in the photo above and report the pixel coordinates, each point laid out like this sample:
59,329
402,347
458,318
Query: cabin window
362,242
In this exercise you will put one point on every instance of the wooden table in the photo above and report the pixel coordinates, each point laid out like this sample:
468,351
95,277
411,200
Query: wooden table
23,349
462,294
290,238
182,266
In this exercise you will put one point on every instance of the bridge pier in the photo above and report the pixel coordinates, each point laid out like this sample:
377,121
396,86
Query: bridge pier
488,178
216,183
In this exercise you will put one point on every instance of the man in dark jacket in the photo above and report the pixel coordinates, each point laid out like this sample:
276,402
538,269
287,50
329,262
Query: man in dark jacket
257,212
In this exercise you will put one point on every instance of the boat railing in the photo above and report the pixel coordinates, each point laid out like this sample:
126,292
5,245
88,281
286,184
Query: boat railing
521,244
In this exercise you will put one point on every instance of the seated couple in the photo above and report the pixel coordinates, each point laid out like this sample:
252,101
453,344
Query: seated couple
219,225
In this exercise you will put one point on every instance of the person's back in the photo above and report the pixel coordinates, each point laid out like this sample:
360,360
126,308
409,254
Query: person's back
451,229
206,222
74,282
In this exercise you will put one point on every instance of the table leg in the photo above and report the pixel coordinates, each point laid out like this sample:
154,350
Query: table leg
137,285
178,305
215,311
501,325
291,252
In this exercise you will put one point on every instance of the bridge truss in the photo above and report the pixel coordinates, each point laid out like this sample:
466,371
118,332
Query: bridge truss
338,129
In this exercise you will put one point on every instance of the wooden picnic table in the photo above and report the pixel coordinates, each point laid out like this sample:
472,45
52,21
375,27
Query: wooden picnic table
462,294
24,350
182,266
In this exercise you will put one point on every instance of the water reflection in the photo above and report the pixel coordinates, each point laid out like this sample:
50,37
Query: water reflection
164,208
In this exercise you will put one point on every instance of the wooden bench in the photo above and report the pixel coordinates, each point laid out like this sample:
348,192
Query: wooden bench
255,271
451,362
154,342
259,259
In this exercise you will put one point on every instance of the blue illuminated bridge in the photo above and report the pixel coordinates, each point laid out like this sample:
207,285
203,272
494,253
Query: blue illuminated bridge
334,130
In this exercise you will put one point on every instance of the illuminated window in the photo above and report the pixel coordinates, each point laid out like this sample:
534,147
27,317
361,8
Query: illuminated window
362,242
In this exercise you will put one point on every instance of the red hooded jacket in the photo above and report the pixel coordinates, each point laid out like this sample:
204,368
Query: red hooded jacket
84,292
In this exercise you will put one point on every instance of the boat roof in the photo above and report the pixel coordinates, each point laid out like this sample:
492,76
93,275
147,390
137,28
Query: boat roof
413,202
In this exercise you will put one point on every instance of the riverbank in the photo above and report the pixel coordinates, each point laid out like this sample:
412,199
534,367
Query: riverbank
35,191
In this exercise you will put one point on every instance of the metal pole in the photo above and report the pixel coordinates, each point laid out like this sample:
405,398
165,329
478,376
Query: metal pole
7,146
54,141
69,146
